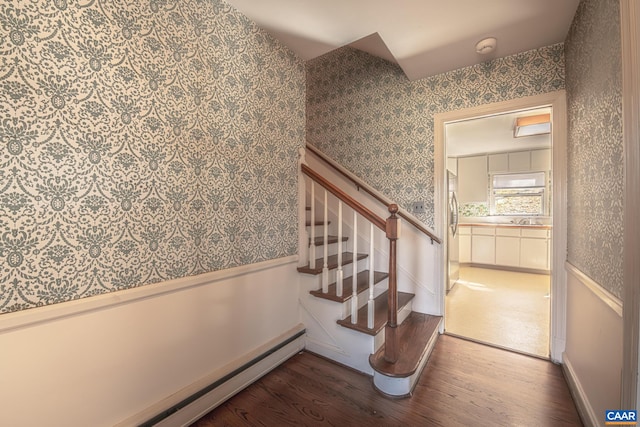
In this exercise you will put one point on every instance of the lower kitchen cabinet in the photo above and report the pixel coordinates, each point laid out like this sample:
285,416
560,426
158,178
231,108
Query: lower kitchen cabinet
508,251
464,242
534,253
483,245
519,247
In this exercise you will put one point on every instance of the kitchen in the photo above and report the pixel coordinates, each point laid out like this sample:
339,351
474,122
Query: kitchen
500,230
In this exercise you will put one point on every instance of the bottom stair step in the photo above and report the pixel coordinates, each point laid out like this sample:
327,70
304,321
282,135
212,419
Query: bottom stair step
413,336
417,336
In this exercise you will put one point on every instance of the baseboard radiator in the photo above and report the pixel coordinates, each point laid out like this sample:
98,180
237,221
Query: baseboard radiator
207,398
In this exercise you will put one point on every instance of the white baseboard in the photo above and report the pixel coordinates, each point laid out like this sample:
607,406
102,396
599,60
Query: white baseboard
585,410
250,368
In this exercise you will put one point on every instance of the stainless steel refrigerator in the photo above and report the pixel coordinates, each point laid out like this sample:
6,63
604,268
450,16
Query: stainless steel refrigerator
453,256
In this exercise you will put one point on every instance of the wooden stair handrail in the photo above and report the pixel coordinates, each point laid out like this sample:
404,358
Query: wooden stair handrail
350,201
361,184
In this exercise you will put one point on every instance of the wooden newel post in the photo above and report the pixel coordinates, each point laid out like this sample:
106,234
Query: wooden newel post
391,338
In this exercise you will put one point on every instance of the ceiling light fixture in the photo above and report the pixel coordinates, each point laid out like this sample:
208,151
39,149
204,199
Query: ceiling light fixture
532,125
487,45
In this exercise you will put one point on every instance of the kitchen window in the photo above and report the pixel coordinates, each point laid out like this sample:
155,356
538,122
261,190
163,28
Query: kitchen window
518,194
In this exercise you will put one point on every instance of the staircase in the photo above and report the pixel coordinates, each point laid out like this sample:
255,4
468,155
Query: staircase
350,302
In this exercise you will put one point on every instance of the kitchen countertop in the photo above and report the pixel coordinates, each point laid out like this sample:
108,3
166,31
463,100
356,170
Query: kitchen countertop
493,224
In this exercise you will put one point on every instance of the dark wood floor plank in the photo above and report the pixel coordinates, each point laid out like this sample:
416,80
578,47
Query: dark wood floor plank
463,384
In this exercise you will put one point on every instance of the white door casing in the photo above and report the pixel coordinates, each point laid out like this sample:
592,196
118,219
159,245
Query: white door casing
557,101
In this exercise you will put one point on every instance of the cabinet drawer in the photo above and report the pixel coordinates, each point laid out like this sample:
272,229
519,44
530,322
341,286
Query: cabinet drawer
464,231
508,231
535,232
483,231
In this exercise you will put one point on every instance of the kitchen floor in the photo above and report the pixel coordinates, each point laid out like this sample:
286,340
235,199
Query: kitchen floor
503,308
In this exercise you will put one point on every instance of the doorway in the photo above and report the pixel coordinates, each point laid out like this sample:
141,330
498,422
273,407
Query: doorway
557,236
499,182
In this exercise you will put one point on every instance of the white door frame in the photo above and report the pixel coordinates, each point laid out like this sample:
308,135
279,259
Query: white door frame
556,100
630,38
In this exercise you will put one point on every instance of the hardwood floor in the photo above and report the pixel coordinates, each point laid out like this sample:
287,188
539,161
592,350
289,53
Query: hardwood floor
463,384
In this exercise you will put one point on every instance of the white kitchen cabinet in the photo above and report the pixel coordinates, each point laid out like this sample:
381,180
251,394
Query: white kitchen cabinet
520,161
452,164
534,248
483,245
541,160
534,253
508,247
473,179
505,246
498,162
464,244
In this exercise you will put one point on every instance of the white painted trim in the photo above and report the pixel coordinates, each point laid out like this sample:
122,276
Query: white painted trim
303,235
31,317
630,37
607,298
585,410
557,100
195,410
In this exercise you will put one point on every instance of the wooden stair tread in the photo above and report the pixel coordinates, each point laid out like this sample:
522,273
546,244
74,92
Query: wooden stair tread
380,314
414,335
347,286
319,241
332,263
317,222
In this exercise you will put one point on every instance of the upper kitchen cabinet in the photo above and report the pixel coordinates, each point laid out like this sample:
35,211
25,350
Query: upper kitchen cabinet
521,161
499,162
452,165
541,160
473,179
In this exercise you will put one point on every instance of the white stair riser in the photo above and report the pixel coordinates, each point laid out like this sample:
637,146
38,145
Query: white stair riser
333,249
327,338
363,297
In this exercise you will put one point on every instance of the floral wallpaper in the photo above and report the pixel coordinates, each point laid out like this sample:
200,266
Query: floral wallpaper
365,113
595,144
141,142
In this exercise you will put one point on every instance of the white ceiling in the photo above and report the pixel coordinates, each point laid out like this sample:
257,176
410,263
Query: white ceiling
492,134
425,37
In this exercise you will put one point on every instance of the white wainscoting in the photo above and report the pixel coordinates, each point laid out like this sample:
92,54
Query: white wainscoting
126,356
593,354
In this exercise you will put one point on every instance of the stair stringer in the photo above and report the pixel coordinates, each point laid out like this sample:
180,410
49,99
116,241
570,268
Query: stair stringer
327,338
